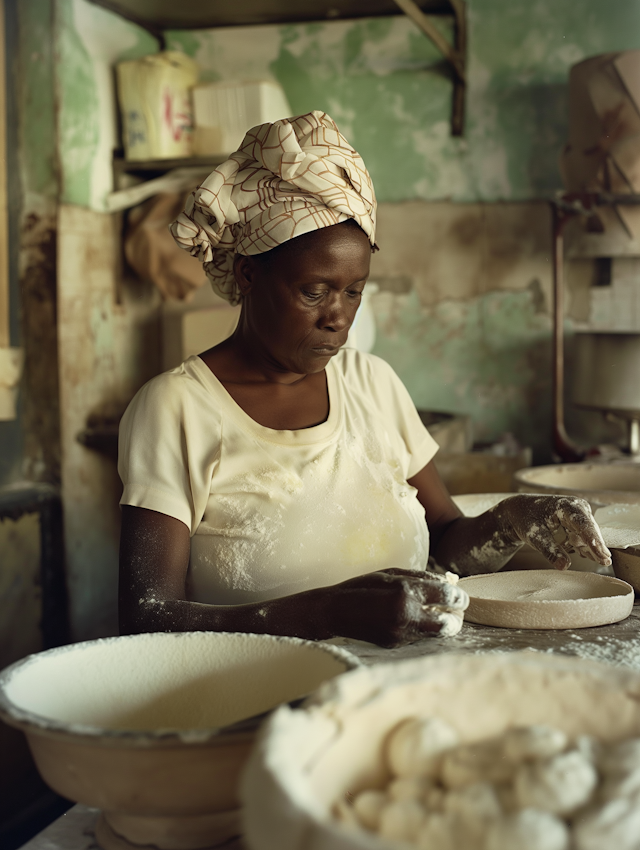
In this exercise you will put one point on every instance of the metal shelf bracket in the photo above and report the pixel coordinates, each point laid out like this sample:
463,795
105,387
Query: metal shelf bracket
455,54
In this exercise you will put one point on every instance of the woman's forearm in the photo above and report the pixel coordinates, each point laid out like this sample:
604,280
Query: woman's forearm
473,545
380,607
301,615
384,608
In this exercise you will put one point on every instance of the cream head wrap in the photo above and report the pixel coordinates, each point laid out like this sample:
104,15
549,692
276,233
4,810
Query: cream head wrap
288,178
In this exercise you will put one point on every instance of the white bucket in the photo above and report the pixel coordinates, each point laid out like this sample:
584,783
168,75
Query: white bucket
155,101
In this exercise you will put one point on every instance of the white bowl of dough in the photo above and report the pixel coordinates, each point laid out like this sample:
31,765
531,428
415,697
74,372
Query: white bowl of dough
149,728
311,765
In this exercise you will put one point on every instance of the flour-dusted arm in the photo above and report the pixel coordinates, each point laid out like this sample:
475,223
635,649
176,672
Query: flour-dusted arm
554,525
386,608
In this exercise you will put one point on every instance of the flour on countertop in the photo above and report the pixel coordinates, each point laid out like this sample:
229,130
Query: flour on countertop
618,644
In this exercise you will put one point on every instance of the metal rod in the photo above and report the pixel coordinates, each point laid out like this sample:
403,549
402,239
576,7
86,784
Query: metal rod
413,11
44,500
563,446
634,437
459,84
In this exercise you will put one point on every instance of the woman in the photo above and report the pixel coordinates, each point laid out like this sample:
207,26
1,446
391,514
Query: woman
278,482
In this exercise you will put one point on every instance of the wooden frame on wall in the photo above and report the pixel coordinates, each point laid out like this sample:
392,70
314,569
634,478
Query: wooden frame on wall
4,217
11,359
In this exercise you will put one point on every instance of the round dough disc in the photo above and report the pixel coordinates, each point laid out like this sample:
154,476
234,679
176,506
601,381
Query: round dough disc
546,599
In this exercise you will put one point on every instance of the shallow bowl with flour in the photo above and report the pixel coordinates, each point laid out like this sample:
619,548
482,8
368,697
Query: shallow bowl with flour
547,599
307,759
599,483
138,726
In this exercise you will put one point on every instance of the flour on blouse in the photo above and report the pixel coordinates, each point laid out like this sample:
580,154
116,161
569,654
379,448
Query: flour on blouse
270,512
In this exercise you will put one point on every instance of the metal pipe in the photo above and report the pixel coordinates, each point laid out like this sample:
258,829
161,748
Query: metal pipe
634,438
565,449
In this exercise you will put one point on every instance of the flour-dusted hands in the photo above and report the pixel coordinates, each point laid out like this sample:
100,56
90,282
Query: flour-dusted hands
395,607
554,525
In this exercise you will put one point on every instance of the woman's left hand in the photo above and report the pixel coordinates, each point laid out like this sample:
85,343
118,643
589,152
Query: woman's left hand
554,525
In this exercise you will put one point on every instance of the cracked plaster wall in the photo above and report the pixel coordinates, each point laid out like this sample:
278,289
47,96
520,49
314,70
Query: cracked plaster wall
385,85
90,41
464,266
463,308
109,322
91,335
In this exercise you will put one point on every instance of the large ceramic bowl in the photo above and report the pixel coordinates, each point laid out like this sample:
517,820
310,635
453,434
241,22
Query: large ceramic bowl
620,526
308,759
626,565
599,483
141,726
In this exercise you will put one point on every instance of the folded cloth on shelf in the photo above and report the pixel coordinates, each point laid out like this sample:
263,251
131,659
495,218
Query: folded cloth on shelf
287,178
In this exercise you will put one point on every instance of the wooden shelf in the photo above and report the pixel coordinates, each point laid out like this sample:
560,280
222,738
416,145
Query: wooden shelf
160,166
454,53
159,15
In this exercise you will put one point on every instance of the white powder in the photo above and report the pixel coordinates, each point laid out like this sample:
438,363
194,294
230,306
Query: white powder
618,644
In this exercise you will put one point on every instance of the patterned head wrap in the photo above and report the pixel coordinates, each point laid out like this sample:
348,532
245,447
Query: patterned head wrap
288,178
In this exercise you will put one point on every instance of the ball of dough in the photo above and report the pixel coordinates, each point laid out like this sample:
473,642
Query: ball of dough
473,809
345,814
437,833
589,747
622,785
450,620
528,743
409,788
434,798
478,801
471,763
529,829
414,748
560,785
615,825
401,820
368,806
620,758
506,794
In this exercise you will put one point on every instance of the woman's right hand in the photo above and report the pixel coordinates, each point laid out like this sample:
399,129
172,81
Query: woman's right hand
394,607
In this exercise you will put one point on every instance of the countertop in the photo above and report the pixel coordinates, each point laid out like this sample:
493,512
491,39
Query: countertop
618,644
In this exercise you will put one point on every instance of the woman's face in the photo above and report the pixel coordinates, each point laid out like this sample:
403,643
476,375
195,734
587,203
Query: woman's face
301,298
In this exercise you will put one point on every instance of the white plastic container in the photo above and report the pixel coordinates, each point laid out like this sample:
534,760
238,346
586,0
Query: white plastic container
155,101
362,334
224,112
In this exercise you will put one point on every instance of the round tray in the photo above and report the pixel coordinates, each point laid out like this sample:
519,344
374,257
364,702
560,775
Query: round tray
546,599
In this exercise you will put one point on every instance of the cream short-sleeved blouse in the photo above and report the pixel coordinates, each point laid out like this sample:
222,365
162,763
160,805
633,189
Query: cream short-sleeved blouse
270,512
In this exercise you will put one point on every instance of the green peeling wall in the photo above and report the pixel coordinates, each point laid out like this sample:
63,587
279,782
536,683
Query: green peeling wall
37,104
459,344
385,85
90,42
484,353
487,356
61,133
382,80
